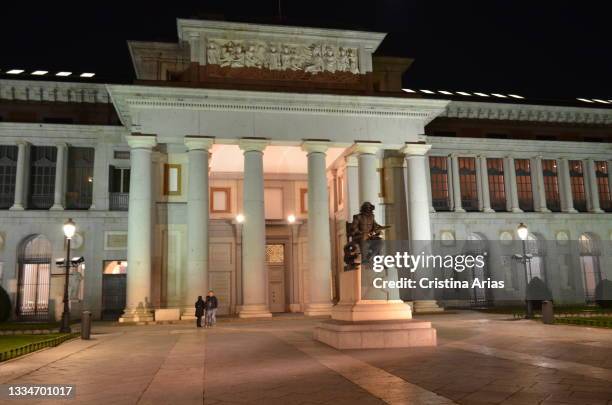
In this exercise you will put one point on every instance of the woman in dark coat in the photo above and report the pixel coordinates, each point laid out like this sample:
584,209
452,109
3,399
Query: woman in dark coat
199,311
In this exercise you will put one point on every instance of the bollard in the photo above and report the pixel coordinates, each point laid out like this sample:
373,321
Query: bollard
85,325
548,314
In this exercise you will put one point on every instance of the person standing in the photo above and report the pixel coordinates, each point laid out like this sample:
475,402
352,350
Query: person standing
199,310
211,309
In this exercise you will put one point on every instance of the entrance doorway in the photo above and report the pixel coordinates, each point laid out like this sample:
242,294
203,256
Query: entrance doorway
34,278
114,283
589,262
276,264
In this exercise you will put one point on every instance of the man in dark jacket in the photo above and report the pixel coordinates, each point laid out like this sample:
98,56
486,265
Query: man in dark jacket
199,310
211,309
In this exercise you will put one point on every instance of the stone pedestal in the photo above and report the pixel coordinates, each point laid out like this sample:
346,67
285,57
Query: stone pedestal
371,324
375,334
421,306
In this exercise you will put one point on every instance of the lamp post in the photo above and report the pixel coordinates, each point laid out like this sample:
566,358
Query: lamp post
523,233
69,230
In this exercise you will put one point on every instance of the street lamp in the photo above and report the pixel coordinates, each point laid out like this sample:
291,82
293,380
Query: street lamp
69,230
523,233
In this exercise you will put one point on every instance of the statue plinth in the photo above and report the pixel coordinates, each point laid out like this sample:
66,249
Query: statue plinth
359,323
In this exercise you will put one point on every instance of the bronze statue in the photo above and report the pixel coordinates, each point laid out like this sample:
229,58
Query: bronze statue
359,234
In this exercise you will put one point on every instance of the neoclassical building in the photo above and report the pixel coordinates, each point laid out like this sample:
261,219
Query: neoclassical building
235,159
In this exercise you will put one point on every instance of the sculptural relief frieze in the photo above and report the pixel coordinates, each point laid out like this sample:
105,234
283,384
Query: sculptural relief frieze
313,58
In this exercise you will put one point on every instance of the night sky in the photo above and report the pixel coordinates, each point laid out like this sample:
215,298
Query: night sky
540,49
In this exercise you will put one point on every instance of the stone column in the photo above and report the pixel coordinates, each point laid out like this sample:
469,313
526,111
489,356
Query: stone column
484,185
537,173
593,187
350,194
59,196
565,185
319,241
20,178
196,276
419,218
138,301
369,177
255,274
456,184
514,201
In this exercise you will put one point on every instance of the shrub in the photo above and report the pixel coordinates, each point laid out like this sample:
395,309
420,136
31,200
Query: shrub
5,305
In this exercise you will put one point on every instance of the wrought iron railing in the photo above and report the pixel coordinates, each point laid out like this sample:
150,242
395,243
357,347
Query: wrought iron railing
78,201
119,201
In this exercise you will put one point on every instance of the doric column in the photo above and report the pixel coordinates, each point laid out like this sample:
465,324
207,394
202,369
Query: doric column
418,202
59,195
456,184
369,177
484,184
254,275
196,277
319,241
593,187
514,201
20,177
566,186
350,194
537,173
138,300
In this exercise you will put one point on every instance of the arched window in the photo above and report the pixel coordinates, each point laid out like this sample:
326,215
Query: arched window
535,252
589,262
477,246
34,275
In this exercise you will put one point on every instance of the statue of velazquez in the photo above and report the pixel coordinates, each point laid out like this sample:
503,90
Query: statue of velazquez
360,233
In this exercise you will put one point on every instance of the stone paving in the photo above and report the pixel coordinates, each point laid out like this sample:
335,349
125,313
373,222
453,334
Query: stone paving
480,359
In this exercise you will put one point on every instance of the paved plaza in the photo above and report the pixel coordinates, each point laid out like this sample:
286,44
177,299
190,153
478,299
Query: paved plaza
480,359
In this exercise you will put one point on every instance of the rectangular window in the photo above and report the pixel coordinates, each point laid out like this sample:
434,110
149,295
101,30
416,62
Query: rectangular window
577,182
304,201
497,189
523,184
79,190
8,174
172,179
467,181
603,185
42,177
551,184
438,169
119,188
220,200
121,154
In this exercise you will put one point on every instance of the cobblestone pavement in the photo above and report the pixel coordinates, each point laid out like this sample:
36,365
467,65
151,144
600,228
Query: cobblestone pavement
480,359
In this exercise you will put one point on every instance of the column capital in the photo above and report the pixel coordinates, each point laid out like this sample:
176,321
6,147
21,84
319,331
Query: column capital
21,142
368,148
253,144
315,146
412,149
198,142
141,141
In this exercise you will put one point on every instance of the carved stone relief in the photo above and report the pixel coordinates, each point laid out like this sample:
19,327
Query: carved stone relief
314,58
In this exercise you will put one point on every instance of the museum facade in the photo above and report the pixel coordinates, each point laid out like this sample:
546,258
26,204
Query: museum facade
238,155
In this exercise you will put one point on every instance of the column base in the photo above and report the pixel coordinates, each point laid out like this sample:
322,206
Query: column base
459,210
17,207
318,309
488,210
421,306
56,207
597,211
255,311
136,315
516,210
543,209
571,211
371,310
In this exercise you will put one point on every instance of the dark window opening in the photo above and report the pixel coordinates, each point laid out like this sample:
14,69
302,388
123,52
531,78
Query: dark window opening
467,181
119,188
438,173
42,177
8,175
603,185
551,185
523,184
577,183
497,189
79,190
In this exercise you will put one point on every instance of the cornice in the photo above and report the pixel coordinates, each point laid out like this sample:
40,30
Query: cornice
32,90
126,97
527,112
